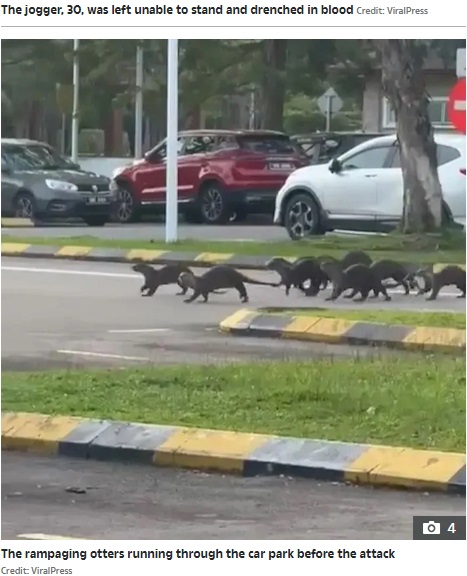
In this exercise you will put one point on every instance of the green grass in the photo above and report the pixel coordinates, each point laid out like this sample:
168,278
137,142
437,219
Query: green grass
423,249
417,401
431,319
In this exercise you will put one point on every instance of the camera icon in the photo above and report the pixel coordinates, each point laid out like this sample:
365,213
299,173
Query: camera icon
431,527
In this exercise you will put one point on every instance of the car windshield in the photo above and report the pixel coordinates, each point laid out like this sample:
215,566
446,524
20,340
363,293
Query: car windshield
33,157
269,145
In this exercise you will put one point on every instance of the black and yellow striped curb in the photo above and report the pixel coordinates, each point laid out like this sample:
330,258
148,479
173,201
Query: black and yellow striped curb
246,322
199,259
233,452
17,223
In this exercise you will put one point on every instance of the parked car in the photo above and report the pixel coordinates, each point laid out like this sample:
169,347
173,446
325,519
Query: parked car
363,189
220,173
41,184
324,146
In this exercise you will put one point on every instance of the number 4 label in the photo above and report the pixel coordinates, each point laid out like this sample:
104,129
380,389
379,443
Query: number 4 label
452,528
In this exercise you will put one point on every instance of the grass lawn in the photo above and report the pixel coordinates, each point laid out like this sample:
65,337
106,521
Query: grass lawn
432,319
430,249
417,401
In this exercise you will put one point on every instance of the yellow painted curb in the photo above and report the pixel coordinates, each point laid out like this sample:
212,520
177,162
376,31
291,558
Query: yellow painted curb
146,255
213,257
299,328
405,467
329,330
74,251
208,449
36,432
17,223
427,338
14,248
235,320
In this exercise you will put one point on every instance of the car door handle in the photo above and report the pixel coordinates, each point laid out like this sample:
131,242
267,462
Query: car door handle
370,175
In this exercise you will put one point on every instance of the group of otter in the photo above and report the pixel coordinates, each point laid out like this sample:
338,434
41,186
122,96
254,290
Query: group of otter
356,272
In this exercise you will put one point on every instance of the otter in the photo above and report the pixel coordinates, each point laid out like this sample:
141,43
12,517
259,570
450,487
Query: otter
154,278
358,277
299,272
449,276
219,277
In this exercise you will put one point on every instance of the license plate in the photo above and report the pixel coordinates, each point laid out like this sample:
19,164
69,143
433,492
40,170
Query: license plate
97,200
281,166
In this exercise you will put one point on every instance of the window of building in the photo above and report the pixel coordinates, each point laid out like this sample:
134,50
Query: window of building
437,110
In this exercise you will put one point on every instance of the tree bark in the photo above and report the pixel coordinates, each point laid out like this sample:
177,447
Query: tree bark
404,86
273,84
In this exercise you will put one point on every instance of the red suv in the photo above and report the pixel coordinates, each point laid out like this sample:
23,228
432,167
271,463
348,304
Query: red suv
222,175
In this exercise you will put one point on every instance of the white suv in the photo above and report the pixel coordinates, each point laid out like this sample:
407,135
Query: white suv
363,189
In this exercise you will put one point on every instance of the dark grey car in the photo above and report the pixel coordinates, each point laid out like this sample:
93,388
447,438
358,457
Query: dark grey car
40,184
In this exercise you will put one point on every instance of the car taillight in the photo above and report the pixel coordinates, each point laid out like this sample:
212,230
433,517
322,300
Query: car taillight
463,171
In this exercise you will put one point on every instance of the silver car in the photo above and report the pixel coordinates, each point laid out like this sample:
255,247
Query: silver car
41,184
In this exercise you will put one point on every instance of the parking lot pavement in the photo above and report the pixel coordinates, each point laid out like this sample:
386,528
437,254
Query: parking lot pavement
40,495
65,314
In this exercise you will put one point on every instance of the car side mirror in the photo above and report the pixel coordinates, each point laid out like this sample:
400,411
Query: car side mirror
335,167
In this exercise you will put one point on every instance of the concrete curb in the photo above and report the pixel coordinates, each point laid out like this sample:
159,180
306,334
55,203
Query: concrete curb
234,452
195,259
246,322
17,223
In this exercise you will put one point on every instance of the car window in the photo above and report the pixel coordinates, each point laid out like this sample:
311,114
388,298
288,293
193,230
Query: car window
33,157
226,143
269,145
444,154
161,152
199,144
371,158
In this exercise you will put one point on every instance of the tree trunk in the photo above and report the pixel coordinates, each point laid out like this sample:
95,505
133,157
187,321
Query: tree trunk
273,84
404,86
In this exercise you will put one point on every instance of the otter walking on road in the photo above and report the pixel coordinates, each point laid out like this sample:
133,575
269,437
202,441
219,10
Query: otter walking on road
358,278
154,278
449,276
217,278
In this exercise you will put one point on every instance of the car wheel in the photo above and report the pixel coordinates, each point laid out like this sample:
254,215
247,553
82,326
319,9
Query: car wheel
25,206
212,205
126,208
96,220
302,217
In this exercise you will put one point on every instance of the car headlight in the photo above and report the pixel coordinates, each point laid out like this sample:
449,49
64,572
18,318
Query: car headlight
61,185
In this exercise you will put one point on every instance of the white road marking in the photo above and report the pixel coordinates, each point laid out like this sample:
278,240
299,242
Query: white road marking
45,537
138,330
101,355
73,272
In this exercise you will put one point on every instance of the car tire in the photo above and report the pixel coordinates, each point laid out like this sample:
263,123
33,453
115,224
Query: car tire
96,220
25,206
212,205
302,218
126,209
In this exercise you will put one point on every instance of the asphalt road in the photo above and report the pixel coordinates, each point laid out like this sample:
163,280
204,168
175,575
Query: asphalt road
258,230
66,314
142,503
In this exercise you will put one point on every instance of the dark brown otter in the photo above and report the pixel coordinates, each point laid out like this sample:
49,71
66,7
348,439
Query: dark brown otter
358,278
153,278
217,278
